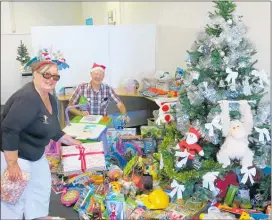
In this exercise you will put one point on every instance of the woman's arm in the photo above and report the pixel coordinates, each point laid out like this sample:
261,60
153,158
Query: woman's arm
21,113
12,165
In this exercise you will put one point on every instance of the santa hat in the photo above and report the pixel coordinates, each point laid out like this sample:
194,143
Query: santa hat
194,131
98,67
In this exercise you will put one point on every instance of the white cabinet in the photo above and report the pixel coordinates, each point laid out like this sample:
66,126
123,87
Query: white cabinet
26,77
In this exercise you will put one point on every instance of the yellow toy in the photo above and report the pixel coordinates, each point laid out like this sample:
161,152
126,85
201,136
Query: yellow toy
53,161
158,199
244,216
116,187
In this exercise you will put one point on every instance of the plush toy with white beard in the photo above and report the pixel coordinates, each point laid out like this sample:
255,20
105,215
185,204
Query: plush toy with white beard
236,142
188,149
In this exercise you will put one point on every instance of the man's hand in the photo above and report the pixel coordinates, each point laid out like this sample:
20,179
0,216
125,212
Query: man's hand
14,172
127,119
84,113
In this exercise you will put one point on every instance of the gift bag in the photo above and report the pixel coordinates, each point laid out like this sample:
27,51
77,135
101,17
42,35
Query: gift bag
11,191
83,158
53,149
52,153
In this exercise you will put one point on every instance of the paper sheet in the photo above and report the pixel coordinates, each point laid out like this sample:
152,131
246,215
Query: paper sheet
84,131
91,119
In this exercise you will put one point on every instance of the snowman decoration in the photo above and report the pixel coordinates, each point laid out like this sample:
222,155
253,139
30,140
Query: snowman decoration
188,149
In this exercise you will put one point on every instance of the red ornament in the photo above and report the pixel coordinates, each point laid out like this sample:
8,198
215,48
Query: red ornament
165,107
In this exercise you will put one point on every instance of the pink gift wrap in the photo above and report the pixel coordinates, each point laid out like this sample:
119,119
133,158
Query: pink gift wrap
83,158
10,190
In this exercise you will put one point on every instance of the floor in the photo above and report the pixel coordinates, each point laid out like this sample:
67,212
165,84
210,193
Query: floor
58,210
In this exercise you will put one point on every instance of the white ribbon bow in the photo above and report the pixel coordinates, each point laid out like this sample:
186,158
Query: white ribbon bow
184,154
161,162
246,88
263,133
215,123
231,78
178,189
248,173
263,77
208,180
205,84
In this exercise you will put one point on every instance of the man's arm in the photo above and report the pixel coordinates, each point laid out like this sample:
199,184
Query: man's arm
115,98
122,108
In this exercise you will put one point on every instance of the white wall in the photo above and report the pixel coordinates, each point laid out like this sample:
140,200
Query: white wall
98,11
20,17
178,25
179,22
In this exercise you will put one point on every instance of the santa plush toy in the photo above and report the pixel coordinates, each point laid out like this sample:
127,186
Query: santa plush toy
189,148
165,113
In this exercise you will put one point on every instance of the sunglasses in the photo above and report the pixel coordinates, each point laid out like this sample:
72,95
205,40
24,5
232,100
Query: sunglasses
49,76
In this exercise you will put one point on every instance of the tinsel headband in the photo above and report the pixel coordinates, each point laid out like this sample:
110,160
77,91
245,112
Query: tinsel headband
44,55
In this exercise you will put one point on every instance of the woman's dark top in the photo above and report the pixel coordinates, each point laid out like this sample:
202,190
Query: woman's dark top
27,125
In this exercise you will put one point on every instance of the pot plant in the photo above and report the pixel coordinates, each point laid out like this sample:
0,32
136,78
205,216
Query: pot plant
23,58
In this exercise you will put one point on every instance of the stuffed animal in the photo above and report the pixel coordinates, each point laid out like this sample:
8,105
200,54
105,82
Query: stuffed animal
166,112
236,142
189,148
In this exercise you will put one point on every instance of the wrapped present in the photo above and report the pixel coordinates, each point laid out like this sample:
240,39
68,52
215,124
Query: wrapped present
222,184
231,193
83,158
11,191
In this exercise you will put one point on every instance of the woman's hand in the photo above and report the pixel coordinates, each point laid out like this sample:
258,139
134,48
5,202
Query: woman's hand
84,113
68,140
76,142
14,172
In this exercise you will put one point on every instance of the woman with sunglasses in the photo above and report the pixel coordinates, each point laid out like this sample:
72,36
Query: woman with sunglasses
28,122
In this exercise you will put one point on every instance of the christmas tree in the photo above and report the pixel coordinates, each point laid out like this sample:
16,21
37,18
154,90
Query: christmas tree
23,56
220,66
